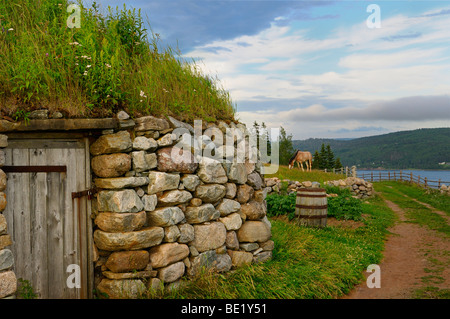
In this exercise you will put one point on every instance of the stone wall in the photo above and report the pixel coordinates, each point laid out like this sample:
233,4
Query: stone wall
163,212
358,187
444,189
8,281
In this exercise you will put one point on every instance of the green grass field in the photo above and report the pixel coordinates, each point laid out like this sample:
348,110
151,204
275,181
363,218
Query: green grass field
297,174
307,263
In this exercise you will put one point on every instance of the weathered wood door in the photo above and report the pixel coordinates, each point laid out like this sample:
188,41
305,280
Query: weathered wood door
49,229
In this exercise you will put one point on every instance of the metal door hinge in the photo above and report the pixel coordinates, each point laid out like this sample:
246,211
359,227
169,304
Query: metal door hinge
89,193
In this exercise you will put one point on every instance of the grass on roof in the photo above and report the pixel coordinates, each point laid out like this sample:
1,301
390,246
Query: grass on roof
110,63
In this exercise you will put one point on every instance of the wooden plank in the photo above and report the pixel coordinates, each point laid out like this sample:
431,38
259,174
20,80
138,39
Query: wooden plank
47,135
70,225
21,216
44,143
34,169
55,239
38,212
59,125
56,218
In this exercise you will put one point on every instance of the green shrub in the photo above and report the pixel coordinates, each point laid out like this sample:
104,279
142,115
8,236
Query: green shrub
342,207
281,205
345,207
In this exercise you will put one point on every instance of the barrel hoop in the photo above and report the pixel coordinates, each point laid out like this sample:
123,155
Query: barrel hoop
312,216
311,195
312,207
312,190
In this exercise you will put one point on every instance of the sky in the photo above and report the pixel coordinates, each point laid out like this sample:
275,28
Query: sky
319,69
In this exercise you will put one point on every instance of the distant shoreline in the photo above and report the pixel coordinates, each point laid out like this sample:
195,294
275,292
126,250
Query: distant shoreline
403,169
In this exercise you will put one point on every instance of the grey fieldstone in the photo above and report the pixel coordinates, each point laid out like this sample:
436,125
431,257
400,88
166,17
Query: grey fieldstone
125,201
166,216
160,181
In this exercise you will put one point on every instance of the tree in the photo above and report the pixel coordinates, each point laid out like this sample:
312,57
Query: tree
337,163
286,150
323,157
316,160
330,161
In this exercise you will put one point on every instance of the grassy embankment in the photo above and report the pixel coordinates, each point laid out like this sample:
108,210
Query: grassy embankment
108,64
307,262
439,259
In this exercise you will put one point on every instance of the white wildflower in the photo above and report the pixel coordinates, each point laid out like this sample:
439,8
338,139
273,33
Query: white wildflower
85,73
88,66
108,95
108,65
10,29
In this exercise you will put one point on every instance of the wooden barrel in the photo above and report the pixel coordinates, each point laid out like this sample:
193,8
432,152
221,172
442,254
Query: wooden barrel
311,207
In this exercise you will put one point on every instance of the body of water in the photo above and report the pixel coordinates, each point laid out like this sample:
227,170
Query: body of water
431,175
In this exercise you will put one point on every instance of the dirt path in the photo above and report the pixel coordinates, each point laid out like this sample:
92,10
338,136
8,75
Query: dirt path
405,261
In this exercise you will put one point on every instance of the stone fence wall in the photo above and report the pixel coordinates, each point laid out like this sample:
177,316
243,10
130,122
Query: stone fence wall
8,281
358,187
163,212
444,189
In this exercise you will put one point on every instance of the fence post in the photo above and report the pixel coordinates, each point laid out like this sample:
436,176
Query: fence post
371,176
401,176
426,184
334,170
411,177
346,171
439,183
389,176
354,171
395,178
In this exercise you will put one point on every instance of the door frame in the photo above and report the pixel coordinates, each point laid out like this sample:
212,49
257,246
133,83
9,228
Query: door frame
85,239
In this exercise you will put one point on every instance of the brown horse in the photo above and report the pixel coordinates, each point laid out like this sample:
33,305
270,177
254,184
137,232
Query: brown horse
301,157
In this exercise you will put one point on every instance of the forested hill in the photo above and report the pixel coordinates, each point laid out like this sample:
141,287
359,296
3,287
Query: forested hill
421,149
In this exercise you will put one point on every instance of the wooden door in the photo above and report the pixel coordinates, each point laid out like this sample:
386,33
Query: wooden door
49,229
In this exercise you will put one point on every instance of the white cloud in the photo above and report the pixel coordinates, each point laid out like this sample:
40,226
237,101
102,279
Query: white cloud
401,72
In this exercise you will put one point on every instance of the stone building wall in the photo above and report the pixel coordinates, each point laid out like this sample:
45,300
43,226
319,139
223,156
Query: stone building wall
8,281
162,211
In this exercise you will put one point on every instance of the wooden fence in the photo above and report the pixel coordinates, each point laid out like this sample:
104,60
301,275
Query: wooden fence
403,177
389,176
347,171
